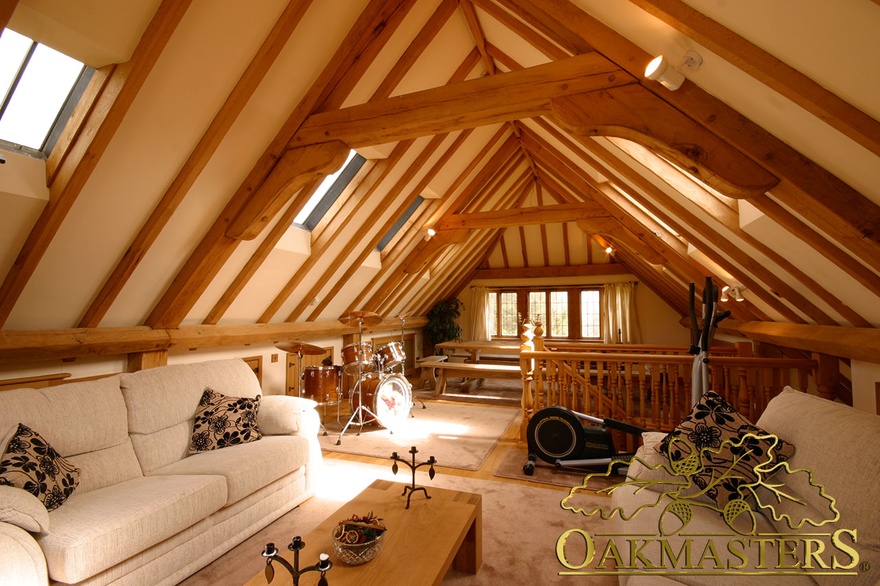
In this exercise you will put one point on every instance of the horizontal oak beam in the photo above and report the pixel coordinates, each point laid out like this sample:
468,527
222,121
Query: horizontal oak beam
468,104
553,214
35,345
841,341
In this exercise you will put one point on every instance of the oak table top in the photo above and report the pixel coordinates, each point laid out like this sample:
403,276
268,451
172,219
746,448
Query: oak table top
420,545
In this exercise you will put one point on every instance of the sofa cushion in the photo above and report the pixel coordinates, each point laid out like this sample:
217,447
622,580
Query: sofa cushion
223,421
280,414
838,444
99,529
85,421
23,509
652,466
728,446
246,467
162,403
31,463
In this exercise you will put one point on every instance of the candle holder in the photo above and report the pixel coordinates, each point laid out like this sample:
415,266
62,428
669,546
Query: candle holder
409,490
271,554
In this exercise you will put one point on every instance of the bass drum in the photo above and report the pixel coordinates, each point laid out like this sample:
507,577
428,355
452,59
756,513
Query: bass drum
389,397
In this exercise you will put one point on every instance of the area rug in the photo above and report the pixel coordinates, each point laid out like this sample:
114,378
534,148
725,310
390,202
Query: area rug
521,525
511,466
458,436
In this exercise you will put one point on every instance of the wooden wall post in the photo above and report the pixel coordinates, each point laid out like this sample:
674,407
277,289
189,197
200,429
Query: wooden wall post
827,375
143,360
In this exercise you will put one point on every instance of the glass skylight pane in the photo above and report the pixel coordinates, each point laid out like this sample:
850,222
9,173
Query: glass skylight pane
39,97
320,193
13,49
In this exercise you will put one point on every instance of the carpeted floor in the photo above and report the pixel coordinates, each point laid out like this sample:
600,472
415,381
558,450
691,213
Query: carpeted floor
457,435
511,466
521,525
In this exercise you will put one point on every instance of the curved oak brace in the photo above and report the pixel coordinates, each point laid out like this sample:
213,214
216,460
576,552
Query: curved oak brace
634,113
615,232
426,249
295,168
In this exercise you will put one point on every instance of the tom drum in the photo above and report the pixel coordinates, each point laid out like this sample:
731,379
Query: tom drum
355,355
388,397
390,355
321,383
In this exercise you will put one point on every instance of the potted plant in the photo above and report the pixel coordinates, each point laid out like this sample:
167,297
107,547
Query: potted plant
441,326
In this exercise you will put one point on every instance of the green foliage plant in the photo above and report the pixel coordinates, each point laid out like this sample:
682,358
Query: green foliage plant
441,326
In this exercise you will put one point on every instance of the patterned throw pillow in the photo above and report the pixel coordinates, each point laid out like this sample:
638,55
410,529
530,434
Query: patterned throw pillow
711,422
223,421
29,462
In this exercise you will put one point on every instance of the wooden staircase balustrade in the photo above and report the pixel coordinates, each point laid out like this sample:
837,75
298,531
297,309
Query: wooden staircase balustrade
653,390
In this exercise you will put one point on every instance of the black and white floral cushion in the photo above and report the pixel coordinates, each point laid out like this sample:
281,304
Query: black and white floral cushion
727,456
29,462
223,421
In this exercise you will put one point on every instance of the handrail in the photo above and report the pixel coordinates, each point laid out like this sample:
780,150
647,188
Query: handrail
652,390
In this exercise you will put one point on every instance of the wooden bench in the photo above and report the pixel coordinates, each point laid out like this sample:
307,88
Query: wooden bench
479,370
429,372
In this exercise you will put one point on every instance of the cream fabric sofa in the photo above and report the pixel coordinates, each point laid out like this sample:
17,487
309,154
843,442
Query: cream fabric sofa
145,512
837,443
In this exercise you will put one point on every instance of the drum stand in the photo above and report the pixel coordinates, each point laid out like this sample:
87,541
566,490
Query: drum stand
402,318
357,415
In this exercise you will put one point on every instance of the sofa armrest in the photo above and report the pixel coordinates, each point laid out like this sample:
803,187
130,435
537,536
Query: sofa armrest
284,415
23,561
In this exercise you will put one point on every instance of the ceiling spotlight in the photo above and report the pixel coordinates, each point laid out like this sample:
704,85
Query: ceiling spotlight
735,292
659,69
429,233
608,250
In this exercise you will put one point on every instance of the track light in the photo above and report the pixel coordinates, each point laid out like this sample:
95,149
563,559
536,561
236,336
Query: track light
659,69
735,292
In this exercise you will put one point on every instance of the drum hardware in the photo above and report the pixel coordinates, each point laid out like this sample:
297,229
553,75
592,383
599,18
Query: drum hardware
360,318
300,349
402,317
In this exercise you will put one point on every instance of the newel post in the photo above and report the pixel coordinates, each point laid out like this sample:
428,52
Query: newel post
827,375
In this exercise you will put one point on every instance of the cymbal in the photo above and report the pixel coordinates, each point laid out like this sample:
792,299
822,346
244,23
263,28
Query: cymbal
368,318
299,348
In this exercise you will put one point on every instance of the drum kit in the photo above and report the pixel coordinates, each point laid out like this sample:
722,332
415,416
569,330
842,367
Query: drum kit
379,394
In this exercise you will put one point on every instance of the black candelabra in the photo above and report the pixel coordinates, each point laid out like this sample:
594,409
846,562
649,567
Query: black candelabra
271,554
411,489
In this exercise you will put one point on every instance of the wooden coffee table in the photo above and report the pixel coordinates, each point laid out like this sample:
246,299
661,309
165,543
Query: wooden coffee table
421,543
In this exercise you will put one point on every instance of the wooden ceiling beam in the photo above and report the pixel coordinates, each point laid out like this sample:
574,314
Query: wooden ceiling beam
845,342
119,91
550,214
196,162
372,30
819,196
769,70
589,270
634,113
467,104
22,346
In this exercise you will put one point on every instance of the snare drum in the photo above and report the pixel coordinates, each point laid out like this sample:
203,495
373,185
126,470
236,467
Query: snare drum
390,355
355,355
322,384
388,397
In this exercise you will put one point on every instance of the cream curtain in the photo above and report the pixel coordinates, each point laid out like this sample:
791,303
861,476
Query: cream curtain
480,314
619,307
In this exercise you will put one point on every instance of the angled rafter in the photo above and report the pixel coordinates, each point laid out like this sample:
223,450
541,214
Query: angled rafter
119,93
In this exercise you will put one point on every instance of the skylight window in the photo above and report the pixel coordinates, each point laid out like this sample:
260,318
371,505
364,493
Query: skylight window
399,223
39,87
329,190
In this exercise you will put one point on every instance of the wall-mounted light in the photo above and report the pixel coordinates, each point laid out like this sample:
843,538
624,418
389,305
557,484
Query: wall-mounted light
659,69
735,292
429,233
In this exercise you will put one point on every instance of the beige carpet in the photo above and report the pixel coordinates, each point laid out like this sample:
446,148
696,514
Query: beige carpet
511,466
457,435
520,527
